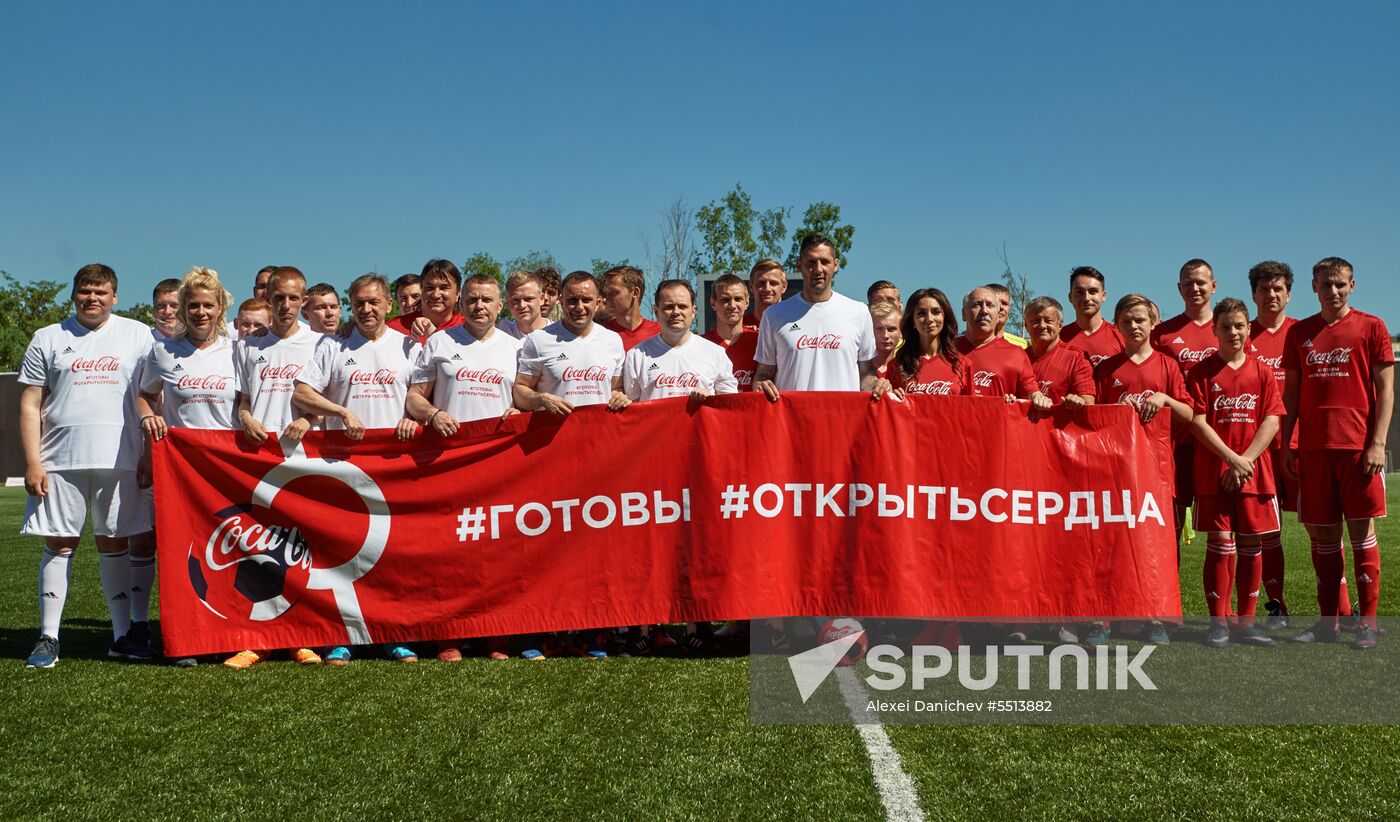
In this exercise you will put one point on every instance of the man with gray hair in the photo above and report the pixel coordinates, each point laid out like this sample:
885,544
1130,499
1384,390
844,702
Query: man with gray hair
998,368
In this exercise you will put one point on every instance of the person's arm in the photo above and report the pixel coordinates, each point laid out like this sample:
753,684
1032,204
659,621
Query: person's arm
31,404
1081,385
618,400
1290,421
252,427
420,408
528,399
309,399
1383,380
1240,467
763,376
151,422
871,381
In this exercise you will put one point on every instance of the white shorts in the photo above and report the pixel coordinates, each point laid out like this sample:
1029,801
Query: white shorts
111,495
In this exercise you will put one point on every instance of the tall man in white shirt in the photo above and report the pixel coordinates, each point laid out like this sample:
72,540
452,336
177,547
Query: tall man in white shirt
81,446
818,340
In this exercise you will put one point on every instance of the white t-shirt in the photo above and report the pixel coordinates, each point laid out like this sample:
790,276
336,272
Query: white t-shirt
267,369
654,370
471,378
369,377
196,386
88,418
578,369
816,346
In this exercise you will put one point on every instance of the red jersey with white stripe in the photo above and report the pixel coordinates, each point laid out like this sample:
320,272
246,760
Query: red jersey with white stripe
998,368
936,377
1097,345
1061,371
1118,378
1336,399
1185,340
740,354
1235,402
1267,347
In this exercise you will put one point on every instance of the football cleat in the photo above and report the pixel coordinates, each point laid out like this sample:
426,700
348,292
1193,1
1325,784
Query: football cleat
306,656
1277,619
45,653
1317,633
1219,636
1365,638
339,656
243,660
1251,635
402,653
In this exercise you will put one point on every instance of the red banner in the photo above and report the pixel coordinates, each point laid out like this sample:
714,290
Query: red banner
820,504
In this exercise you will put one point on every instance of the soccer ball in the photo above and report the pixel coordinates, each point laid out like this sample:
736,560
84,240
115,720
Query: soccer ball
834,629
253,568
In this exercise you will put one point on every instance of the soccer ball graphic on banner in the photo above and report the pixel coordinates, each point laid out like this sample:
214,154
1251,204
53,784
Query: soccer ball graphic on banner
834,629
252,567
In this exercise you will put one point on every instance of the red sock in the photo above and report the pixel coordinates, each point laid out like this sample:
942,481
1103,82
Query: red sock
1217,573
1343,597
1273,566
1249,568
1329,565
1366,556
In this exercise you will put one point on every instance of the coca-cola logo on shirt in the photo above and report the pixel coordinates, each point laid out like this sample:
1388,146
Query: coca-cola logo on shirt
280,372
1045,386
1273,362
983,379
1187,355
209,382
745,377
383,376
825,341
485,376
107,363
934,387
1140,397
1095,359
687,379
593,373
1240,402
1333,357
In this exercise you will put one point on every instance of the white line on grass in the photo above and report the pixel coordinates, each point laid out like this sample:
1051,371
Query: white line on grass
896,789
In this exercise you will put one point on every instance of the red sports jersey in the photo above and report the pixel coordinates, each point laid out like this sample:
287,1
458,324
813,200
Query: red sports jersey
1267,347
404,324
630,337
1235,402
1118,378
1061,371
936,376
1336,400
1098,346
740,355
998,368
1185,341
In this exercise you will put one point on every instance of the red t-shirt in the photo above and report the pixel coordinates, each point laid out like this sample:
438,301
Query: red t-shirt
404,324
1118,378
1235,402
1063,371
1336,400
936,377
998,368
740,353
1267,347
1097,346
1185,341
630,337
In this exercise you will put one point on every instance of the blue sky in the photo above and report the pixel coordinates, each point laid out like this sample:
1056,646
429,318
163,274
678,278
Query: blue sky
353,137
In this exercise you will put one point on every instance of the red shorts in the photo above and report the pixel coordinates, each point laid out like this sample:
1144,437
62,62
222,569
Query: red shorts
1332,488
1185,457
1240,513
1285,486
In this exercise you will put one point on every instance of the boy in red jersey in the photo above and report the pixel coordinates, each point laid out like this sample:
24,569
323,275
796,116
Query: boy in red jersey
1338,389
998,368
1063,373
1237,406
729,298
1090,332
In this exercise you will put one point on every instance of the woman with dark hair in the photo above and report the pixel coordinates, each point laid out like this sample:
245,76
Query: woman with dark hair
928,362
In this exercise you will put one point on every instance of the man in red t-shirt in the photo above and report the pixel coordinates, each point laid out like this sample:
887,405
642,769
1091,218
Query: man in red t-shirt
729,298
1090,333
1338,389
622,288
1063,373
1236,405
439,286
1188,338
998,368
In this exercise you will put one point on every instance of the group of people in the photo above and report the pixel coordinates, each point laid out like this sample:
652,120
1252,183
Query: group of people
1267,414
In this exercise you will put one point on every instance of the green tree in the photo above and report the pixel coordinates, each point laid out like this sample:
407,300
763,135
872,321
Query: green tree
533,260
823,218
140,312
1020,288
24,309
599,265
483,263
727,240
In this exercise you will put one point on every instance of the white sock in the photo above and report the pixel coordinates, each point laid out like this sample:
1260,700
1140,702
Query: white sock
143,579
116,586
55,570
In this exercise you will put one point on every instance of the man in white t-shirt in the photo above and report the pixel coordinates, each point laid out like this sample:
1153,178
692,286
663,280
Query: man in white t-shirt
525,300
467,372
321,310
81,447
675,362
573,362
266,367
818,340
360,382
